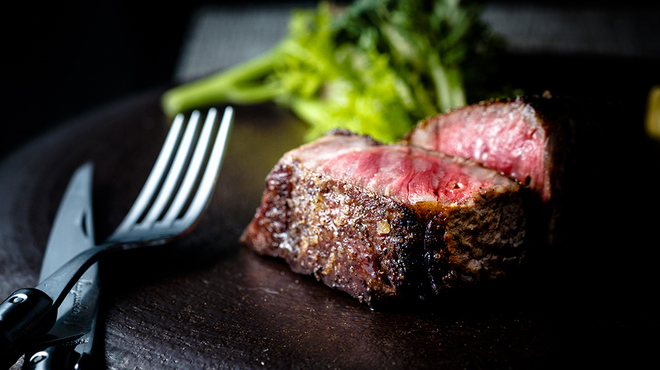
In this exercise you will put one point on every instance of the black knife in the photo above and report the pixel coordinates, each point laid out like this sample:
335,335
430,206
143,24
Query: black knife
68,343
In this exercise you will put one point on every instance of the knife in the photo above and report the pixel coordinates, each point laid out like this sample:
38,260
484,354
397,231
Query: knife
69,342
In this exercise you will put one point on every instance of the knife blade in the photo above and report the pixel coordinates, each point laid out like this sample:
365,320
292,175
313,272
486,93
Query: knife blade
69,343
70,337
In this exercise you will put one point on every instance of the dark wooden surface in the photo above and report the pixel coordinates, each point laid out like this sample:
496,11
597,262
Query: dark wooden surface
207,302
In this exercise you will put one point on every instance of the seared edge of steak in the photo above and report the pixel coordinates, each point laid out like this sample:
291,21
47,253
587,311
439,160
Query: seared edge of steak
482,240
336,232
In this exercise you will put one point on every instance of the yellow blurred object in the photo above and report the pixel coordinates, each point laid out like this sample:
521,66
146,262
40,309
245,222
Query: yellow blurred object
653,113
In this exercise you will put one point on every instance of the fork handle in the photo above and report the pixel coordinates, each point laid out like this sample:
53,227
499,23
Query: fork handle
25,315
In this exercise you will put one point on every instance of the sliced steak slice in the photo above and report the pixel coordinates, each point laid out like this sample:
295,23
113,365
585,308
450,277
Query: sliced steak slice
518,137
531,139
379,221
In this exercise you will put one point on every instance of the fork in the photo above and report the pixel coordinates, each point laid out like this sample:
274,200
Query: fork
159,215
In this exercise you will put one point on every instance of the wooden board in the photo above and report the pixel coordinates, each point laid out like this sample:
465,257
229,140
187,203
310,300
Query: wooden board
207,302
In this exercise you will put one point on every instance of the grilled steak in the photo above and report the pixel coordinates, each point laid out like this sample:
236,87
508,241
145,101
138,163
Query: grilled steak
531,139
385,221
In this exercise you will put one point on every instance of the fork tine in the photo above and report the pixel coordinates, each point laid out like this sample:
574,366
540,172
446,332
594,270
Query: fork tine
174,173
207,184
192,172
154,177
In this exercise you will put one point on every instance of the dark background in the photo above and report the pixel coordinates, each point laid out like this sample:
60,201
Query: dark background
63,59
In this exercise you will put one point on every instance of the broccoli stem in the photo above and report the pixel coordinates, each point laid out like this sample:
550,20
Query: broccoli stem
458,97
241,84
313,112
441,82
448,84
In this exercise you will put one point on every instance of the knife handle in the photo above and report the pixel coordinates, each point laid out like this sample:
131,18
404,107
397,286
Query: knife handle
24,316
62,357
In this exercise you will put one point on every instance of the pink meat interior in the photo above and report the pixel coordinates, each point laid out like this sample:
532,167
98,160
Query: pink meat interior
412,175
508,139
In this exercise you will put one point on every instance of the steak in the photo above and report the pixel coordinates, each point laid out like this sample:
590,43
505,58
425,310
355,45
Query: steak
387,221
532,139
518,137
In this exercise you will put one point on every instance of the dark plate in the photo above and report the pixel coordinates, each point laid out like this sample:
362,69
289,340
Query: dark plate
207,302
